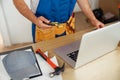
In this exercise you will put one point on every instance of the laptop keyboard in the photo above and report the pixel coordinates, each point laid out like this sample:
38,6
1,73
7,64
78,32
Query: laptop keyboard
73,55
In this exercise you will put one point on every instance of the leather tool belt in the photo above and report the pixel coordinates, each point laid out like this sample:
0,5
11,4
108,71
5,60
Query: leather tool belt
57,29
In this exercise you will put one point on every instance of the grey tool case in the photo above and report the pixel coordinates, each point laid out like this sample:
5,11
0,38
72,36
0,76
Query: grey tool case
21,64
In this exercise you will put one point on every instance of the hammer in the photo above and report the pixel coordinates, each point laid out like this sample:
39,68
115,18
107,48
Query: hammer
57,69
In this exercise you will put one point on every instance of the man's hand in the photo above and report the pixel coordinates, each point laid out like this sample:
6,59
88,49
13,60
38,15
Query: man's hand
42,23
85,6
26,12
97,24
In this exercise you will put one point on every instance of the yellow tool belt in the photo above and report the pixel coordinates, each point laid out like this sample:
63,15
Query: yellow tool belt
57,29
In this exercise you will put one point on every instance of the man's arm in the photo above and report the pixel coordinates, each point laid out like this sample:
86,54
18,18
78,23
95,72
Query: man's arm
84,5
26,12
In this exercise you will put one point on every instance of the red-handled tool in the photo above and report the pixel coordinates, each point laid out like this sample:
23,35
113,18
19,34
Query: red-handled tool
57,69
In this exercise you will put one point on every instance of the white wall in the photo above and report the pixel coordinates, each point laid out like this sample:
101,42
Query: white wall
4,35
93,4
19,28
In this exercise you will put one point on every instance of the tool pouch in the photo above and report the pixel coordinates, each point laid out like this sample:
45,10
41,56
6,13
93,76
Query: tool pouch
50,33
60,29
44,34
70,25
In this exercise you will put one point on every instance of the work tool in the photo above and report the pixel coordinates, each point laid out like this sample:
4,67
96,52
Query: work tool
52,23
57,69
70,23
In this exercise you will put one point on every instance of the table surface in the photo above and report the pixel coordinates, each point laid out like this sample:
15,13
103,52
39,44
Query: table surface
106,67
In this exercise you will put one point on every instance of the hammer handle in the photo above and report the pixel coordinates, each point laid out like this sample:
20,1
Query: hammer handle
46,58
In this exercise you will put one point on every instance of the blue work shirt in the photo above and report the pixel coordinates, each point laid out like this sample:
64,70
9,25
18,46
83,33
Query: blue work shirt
54,10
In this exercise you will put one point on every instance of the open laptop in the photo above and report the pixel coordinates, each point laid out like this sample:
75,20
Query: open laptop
92,45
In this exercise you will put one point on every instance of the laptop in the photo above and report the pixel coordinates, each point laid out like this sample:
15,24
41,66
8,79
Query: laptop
92,45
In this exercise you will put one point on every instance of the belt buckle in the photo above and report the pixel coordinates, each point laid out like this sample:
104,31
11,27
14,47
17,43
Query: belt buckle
54,23
57,24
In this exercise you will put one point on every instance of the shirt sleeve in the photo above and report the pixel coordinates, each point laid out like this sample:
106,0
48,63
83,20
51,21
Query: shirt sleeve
33,5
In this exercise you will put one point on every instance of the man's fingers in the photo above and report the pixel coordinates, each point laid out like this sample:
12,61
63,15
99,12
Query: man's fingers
43,25
101,25
44,19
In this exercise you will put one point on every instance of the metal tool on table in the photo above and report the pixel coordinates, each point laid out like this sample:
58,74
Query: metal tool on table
57,69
